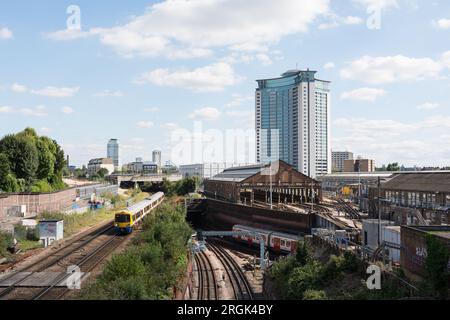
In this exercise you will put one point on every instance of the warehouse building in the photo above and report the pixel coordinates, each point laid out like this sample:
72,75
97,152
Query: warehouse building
349,185
413,198
250,184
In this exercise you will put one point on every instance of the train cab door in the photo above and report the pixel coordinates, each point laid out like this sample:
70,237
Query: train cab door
276,244
293,246
250,241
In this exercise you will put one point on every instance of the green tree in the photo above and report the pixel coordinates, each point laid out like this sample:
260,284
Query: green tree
303,255
102,172
46,150
393,167
8,182
60,159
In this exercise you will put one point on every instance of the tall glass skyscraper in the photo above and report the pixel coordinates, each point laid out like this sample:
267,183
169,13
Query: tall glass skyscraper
113,151
293,121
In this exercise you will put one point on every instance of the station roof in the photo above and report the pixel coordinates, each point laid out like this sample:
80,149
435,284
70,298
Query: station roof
239,174
426,181
260,174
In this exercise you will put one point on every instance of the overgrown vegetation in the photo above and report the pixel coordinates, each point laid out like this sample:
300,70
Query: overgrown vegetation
182,187
5,242
30,163
152,266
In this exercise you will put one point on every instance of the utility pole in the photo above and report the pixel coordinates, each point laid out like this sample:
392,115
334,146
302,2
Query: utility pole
379,211
312,197
359,187
270,175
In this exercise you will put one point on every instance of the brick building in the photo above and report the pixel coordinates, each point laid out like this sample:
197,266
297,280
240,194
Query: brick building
249,184
413,198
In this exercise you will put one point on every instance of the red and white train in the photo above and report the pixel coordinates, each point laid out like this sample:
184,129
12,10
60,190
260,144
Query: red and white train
276,241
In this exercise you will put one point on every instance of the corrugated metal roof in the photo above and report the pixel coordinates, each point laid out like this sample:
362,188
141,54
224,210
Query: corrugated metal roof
239,174
436,181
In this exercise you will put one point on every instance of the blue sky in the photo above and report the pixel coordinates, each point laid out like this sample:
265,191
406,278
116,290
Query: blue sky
137,70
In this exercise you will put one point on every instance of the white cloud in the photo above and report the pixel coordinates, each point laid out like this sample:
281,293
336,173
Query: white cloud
45,130
145,124
68,34
442,24
67,110
428,106
5,34
195,27
239,99
6,109
381,4
56,92
170,126
109,93
153,109
18,88
210,78
389,69
39,111
205,114
329,65
364,94
410,143
337,21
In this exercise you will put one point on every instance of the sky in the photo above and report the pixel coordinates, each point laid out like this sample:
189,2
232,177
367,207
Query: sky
168,74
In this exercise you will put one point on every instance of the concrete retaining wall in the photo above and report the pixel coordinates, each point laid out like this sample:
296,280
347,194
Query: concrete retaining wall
229,214
36,202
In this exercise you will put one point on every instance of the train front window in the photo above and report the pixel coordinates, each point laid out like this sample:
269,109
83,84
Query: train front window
122,218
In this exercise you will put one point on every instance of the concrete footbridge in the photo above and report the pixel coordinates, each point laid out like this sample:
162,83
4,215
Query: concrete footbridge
149,178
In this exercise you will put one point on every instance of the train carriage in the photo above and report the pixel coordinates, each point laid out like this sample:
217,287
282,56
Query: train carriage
125,220
276,241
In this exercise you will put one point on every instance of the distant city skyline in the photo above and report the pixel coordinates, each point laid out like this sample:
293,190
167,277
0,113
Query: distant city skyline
138,70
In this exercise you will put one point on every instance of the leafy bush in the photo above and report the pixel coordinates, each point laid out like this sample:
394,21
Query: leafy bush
314,295
304,278
41,186
152,266
5,242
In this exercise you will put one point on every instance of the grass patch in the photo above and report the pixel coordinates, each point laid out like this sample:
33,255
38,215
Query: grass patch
27,245
76,222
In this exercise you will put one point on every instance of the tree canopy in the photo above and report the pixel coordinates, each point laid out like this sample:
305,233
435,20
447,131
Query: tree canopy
29,162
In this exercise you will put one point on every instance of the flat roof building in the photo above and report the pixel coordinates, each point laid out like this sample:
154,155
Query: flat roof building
95,165
338,158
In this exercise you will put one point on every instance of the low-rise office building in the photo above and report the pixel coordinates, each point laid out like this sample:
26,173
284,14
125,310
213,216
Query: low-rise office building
359,165
338,158
95,165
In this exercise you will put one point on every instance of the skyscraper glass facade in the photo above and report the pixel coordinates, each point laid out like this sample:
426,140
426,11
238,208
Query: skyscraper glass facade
292,121
113,151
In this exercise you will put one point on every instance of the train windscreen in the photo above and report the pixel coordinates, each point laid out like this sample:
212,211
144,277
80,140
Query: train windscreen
122,218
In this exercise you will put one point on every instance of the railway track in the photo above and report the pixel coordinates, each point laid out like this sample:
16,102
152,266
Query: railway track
85,252
241,287
206,278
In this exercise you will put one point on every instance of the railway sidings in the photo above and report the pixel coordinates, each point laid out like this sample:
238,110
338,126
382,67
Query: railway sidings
219,276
